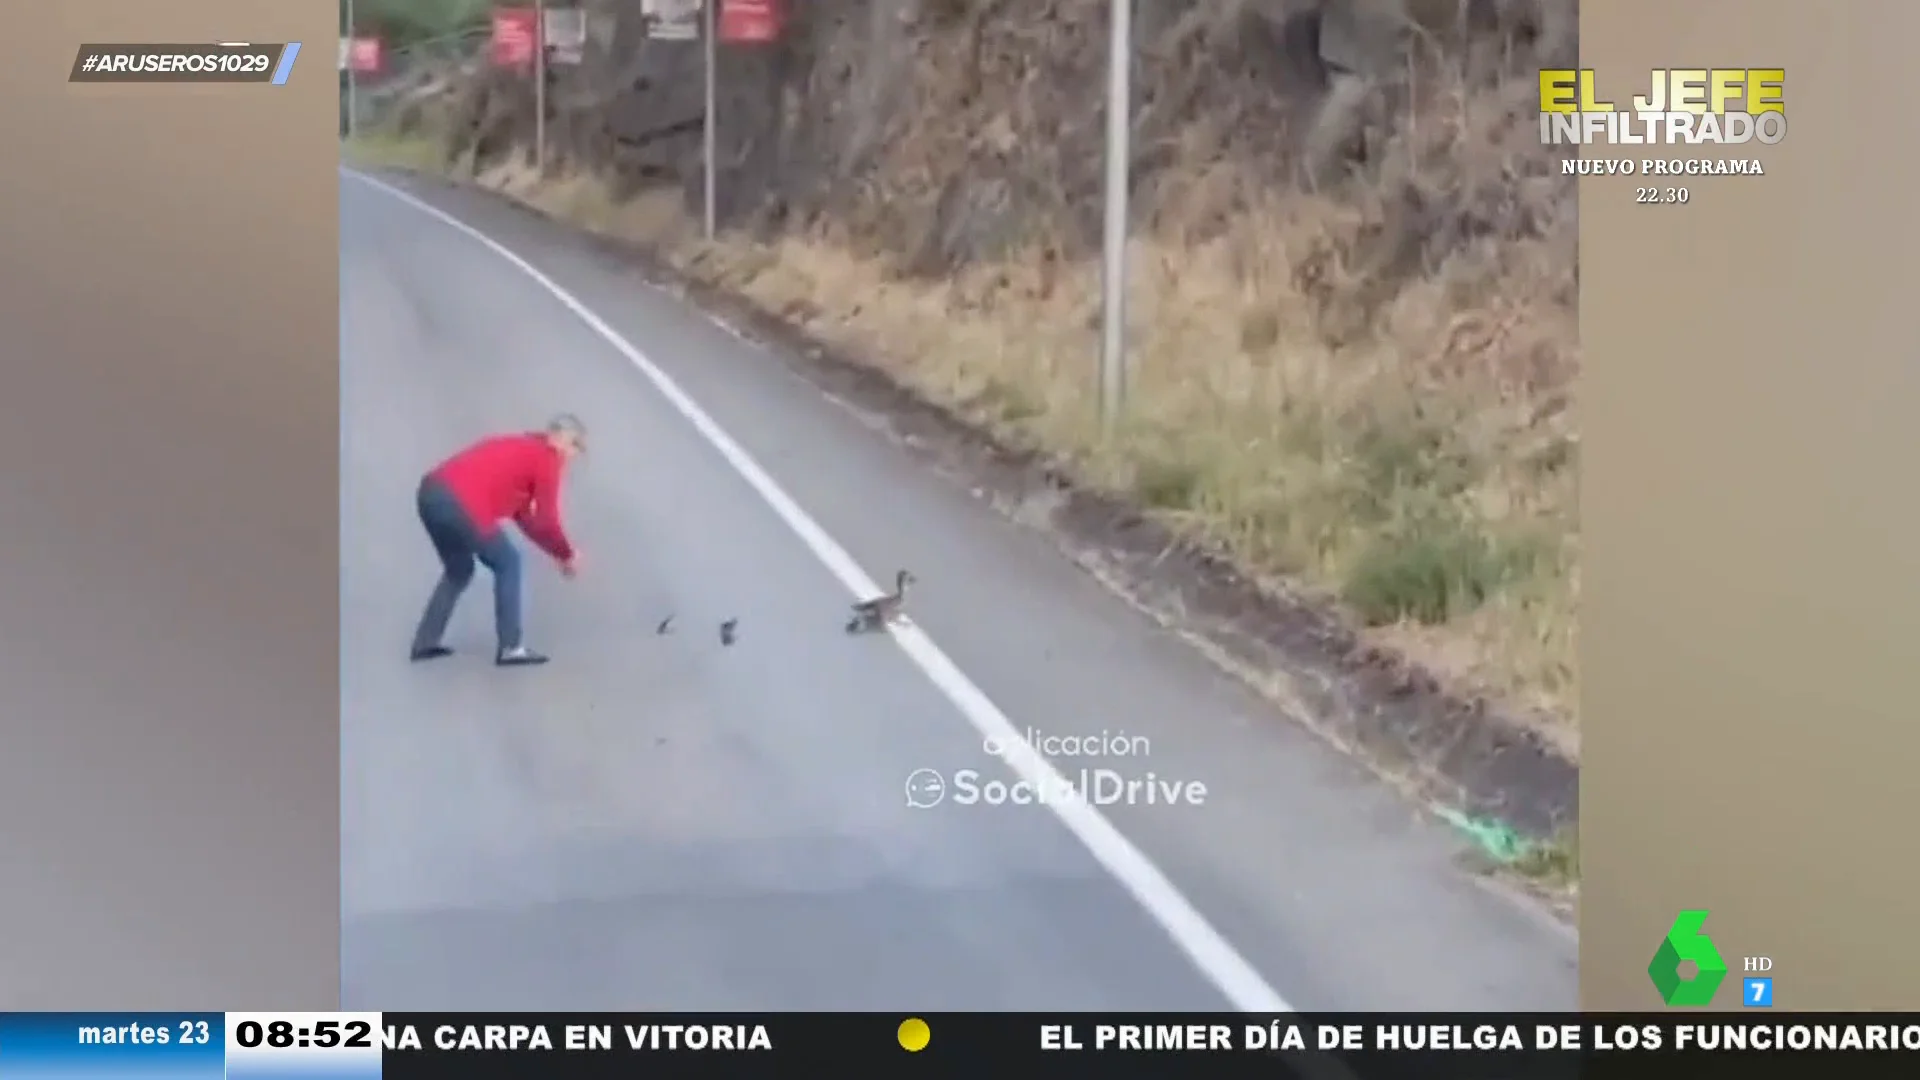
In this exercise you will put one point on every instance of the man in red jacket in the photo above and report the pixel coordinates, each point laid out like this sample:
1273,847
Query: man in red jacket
463,504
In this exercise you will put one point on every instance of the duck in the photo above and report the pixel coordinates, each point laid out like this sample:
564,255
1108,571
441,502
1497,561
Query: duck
881,610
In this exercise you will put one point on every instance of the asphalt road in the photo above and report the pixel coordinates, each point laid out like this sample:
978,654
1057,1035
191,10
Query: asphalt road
664,822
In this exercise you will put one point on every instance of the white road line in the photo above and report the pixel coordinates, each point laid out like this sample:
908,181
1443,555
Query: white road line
1217,959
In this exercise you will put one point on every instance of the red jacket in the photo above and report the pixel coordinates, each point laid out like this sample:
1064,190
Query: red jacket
510,476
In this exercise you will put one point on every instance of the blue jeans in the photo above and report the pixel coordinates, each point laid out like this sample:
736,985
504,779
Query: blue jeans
459,544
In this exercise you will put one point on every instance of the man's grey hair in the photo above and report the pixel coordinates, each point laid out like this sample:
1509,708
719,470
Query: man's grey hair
567,424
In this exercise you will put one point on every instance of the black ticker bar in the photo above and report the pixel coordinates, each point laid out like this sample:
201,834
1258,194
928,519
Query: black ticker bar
1382,1046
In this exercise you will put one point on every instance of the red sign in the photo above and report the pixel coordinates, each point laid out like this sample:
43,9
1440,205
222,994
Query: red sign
516,33
363,54
750,22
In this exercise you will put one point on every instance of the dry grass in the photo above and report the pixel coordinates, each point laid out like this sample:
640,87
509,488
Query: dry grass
1431,500
1363,394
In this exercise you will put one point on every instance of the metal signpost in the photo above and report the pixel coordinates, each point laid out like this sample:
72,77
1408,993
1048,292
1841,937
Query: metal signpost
1113,299
348,37
709,134
740,22
540,87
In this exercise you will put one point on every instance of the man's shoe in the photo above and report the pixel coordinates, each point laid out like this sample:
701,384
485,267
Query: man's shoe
519,656
431,652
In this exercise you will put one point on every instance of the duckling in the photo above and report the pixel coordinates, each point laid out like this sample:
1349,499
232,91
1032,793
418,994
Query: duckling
881,610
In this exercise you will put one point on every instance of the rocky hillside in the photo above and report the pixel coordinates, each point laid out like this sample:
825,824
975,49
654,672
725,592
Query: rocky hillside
964,124
1355,282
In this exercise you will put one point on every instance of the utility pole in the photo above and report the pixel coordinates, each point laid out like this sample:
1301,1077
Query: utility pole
709,135
1113,291
540,87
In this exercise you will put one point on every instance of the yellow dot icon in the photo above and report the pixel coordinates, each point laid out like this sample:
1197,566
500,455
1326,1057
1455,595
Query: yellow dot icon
914,1035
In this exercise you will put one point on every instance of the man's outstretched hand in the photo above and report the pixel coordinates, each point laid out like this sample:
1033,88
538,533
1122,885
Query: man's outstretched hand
570,567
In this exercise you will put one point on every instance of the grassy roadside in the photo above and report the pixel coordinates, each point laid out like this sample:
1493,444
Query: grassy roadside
1412,459
376,150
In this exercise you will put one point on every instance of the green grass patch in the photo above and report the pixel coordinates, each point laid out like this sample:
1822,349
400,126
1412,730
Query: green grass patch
387,150
1432,568
406,22
1554,863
